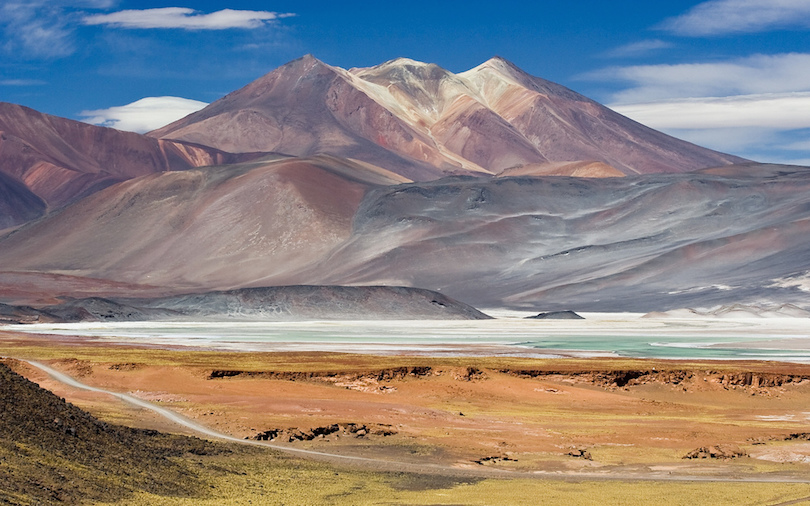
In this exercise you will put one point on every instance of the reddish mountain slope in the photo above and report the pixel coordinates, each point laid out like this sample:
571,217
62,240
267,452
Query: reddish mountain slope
423,122
253,223
60,160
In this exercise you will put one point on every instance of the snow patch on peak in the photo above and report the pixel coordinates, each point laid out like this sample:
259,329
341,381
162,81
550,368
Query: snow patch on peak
495,69
402,61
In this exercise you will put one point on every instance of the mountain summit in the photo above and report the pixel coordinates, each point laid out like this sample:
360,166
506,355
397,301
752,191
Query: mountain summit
424,122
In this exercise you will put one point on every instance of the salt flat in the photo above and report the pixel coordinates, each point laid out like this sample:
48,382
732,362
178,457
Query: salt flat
598,335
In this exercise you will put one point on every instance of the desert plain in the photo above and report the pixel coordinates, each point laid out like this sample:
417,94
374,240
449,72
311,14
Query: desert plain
490,423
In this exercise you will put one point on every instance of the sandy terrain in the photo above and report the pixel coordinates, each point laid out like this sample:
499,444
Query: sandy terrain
603,417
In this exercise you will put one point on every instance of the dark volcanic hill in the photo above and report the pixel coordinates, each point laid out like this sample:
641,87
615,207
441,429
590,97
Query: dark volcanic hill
258,304
60,160
55,453
423,122
318,303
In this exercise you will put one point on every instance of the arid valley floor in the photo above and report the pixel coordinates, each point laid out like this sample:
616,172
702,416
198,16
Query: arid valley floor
394,428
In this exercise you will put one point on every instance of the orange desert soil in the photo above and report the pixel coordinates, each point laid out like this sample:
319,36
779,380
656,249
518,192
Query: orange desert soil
595,415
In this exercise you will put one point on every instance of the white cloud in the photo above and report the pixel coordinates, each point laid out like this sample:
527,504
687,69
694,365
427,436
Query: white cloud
143,115
756,107
184,18
748,142
778,73
721,17
780,111
755,143
639,48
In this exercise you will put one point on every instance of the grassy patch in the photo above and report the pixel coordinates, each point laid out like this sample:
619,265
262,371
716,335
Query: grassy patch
258,477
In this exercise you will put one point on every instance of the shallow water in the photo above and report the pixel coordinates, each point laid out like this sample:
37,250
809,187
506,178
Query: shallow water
623,335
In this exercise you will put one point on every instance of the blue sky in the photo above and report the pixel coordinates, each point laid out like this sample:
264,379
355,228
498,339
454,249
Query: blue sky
733,75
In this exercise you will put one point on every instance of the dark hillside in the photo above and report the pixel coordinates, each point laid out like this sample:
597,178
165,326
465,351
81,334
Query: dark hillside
53,452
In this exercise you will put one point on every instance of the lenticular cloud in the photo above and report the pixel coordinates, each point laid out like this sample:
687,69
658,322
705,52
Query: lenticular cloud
184,18
143,115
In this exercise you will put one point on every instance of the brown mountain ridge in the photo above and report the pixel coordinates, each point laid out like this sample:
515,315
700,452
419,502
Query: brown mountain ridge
424,122
60,161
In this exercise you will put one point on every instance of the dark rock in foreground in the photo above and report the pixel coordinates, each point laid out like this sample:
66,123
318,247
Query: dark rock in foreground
53,452
556,315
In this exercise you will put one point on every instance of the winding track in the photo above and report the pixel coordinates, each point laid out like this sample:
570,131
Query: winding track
392,466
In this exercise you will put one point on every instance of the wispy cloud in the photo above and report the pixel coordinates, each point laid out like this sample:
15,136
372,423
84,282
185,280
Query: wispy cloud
185,18
640,48
780,111
22,82
35,28
754,143
42,28
754,74
143,115
753,107
760,127
723,17
46,29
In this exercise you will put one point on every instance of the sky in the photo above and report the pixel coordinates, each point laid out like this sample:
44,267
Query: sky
732,75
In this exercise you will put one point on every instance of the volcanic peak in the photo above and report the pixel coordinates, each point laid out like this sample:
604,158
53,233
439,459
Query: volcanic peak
424,122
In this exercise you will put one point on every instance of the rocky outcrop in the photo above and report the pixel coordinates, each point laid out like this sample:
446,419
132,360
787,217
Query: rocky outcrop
753,381
580,453
556,315
337,430
396,373
494,459
723,451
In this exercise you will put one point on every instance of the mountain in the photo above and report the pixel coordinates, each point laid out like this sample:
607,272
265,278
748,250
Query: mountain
416,120
490,186
220,227
56,161
634,243
424,122
637,243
